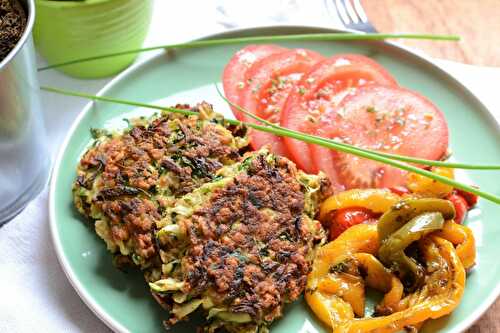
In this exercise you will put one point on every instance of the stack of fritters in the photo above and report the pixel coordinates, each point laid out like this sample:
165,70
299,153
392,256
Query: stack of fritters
213,228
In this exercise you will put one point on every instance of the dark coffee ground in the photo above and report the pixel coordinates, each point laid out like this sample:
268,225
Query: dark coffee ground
12,24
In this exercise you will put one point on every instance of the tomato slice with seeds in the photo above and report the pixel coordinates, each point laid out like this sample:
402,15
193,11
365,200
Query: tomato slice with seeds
233,78
388,119
323,87
270,80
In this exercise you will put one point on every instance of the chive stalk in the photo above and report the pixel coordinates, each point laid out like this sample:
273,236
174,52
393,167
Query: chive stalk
260,39
401,158
280,131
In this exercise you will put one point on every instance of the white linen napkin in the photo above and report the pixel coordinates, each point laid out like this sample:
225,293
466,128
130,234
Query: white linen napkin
36,296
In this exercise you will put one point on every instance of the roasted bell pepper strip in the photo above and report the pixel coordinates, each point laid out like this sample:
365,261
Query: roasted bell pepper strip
469,197
463,239
461,207
378,277
335,288
350,288
344,218
330,308
428,187
440,296
346,282
376,200
391,251
405,210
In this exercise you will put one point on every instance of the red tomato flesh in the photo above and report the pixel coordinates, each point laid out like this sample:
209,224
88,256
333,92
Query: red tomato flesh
270,80
324,86
233,78
343,219
387,119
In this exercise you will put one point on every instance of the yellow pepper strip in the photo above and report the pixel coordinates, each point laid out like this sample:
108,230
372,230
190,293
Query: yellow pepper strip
440,295
350,286
338,296
392,249
377,200
462,237
425,186
330,308
407,209
378,277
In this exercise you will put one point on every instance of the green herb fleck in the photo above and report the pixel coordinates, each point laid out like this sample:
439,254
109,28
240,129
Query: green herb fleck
341,267
97,133
256,88
129,124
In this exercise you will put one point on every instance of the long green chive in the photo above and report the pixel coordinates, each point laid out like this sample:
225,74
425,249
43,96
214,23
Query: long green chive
372,155
260,39
300,136
402,158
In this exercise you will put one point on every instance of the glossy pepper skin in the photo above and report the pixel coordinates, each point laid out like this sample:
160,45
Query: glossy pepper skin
335,287
460,205
405,210
469,197
462,238
336,304
344,218
361,238
376,200
440,295
425,186
392,249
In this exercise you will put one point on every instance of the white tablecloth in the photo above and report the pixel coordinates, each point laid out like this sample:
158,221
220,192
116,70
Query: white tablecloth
36,296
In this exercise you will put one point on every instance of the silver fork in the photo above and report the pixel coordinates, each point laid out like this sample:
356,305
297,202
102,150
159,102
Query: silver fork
351,14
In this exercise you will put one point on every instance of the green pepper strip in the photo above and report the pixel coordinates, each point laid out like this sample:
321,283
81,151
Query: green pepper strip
391,251
405,210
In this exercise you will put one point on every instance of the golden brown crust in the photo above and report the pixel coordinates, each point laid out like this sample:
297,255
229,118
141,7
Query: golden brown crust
249,244
167,157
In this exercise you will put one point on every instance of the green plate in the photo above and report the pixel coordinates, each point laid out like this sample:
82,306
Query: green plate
122,300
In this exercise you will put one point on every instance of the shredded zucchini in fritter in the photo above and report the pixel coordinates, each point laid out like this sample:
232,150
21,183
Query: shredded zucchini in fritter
213,227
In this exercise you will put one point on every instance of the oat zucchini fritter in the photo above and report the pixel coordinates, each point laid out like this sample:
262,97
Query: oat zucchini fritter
241,247
211,228
126,180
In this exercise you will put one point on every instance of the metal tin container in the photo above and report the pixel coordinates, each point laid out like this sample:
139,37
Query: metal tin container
24,158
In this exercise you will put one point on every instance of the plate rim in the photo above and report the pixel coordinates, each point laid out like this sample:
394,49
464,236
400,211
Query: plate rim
97,309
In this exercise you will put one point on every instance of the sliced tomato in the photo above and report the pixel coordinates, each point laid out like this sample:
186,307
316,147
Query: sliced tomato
270,80
327,83
387,119
233,78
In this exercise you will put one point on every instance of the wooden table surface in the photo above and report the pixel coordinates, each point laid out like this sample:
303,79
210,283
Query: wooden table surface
478,24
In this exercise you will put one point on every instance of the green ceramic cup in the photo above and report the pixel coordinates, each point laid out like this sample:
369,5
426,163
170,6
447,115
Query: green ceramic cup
67,30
